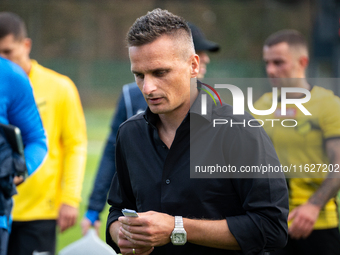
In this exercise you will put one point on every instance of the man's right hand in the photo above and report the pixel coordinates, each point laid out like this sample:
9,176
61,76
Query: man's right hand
86,225
304,218
127,247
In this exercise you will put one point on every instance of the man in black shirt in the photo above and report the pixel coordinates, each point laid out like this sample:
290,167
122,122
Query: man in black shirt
156,150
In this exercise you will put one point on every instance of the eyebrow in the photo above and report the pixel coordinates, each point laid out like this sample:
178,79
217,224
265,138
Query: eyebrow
152,71
135,72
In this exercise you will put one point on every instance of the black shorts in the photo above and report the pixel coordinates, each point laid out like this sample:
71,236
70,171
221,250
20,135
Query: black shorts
320,242
29,236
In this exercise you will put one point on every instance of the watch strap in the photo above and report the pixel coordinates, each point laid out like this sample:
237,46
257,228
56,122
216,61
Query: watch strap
178,222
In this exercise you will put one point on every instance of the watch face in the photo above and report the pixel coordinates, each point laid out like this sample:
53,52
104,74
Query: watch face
179,238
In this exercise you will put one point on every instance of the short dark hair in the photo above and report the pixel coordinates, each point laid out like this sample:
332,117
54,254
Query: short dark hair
290,36
11,23
154,24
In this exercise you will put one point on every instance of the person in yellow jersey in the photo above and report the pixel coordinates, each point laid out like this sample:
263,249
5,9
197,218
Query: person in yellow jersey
52,195
315,139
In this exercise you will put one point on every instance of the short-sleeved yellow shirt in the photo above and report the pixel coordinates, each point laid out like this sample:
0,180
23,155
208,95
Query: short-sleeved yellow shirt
304,145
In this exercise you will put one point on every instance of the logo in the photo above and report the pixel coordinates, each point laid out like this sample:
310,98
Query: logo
238,105
204,98
290,112
238,100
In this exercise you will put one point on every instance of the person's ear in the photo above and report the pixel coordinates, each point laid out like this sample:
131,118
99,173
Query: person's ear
195,62
304,61
28,45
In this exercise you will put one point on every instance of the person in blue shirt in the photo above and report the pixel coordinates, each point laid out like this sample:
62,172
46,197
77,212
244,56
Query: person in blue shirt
18,108
130,103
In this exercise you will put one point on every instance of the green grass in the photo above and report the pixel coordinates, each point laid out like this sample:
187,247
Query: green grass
98,123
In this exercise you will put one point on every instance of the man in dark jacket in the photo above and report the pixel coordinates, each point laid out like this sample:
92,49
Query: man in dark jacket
132,102
156,151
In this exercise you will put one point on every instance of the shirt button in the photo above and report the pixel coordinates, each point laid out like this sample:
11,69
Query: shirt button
167,181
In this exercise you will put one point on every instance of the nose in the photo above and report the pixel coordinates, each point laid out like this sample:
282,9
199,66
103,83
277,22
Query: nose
270,69
149,85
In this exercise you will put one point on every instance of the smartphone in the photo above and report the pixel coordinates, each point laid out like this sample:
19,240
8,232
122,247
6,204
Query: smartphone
13,137
129,213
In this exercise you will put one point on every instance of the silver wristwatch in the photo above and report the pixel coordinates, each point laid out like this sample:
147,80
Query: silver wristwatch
178,235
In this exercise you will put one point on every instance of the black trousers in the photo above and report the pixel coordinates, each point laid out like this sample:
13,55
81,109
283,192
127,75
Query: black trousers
29,236
320,242
3,241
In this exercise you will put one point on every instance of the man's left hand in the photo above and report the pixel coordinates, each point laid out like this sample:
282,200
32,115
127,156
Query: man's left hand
67,217
304,218
149,229
18,180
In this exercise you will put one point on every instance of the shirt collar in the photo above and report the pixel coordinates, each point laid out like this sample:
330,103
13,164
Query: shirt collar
150,117
34,64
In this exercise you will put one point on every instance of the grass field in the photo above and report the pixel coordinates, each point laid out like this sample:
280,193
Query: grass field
97,122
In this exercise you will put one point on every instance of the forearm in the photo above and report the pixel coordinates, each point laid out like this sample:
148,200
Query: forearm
35,154
73,174
327,190
153,229
211,233
74,144
114,231
331,184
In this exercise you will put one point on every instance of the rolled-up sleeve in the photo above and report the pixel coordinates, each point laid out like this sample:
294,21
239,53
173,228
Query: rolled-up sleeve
265,200
264,226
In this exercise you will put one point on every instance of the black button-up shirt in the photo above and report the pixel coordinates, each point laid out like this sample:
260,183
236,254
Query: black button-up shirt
152,177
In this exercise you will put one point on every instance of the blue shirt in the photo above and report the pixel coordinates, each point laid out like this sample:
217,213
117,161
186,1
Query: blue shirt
18,108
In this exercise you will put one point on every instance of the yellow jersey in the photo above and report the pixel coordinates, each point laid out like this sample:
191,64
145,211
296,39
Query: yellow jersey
303,146
59,179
